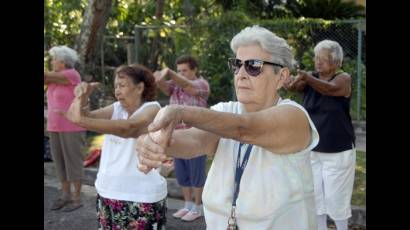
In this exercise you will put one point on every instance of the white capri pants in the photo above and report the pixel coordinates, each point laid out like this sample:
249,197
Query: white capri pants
333,177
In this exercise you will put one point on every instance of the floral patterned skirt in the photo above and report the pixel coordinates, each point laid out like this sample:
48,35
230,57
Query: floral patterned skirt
118,214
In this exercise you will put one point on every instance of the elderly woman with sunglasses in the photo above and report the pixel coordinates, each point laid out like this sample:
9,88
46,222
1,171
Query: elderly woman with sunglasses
261,176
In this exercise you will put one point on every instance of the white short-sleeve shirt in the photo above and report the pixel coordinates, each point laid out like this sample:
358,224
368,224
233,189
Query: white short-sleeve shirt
276,190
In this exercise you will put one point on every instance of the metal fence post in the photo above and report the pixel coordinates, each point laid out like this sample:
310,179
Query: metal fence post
102,60
359,68
136,43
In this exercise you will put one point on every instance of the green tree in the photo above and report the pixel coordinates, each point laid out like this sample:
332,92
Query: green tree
325,9
92,29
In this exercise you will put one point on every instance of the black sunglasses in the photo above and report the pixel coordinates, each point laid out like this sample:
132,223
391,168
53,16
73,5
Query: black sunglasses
252,66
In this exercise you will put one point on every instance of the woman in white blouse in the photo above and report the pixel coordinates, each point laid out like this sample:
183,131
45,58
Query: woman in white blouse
261,176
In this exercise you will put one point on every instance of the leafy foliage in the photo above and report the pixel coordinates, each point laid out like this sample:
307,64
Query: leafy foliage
204,29
326,9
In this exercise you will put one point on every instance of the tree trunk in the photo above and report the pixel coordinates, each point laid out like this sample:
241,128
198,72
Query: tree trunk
189,10
155,45
92,30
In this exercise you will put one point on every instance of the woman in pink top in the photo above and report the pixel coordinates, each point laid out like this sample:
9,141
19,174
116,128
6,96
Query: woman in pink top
66,139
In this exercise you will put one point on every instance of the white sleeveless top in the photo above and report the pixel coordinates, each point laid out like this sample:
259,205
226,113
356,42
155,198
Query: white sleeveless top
276,190
118,176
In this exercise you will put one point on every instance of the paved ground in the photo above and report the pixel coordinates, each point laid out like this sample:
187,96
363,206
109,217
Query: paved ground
85,217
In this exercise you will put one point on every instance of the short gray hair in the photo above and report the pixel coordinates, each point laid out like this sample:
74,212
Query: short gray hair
267,40
334,48
64,54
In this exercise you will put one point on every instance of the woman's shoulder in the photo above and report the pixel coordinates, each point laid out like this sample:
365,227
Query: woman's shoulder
71,72
151,103
287,101
230,106
292,103
148,104
340,73
73,75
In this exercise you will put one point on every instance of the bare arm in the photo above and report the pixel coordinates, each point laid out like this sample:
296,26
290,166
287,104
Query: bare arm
193,142
187,144
102,113
82,92
160,80
184,83
339,86
296,85
132,127
280,129
56,78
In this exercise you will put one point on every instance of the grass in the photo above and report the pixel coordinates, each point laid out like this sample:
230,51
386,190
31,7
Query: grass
359,191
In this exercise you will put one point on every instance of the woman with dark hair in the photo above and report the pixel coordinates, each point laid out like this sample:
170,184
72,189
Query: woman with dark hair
127,198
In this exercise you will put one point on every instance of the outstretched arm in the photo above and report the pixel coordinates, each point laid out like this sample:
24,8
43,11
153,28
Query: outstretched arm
183,82
280,129
186,143
297,84
132,127
56,78
160,80
100,120
338,86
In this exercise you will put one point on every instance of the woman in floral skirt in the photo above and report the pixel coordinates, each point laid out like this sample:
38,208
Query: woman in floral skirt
127,198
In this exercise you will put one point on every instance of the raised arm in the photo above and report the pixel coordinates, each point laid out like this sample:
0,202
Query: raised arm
186,143
280,129
56,78
298,83
295,85
82,92
160,80
186,84
132,127
338,86
155,148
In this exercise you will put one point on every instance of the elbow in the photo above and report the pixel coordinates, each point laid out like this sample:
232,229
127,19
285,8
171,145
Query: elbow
242,132
330,91
126,131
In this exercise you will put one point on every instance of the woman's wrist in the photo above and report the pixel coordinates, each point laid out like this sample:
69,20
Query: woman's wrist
183,114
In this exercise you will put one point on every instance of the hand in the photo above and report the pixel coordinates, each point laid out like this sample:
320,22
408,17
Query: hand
164,72
74,113
288,81
85,89
161,75
150,154
153,145
301,76
166,120
157,75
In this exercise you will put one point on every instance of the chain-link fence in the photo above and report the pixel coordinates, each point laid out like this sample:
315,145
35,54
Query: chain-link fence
156,46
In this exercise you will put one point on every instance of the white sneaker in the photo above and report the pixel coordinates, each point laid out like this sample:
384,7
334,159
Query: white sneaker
180,213
191,215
